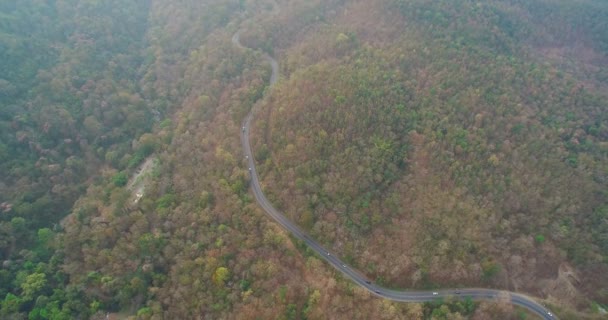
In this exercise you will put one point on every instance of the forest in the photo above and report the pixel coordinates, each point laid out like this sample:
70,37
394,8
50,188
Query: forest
430,144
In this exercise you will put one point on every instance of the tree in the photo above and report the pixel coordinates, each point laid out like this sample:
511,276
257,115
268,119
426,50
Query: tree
120,179
539,238
33,284
220,276
11,304
92,126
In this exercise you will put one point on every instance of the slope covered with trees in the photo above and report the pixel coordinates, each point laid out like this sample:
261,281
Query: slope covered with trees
70,104
442,147
430,143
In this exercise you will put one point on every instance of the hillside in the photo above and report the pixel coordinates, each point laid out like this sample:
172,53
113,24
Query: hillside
430,144
446,145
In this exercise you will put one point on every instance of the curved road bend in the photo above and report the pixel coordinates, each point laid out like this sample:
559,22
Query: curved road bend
354,275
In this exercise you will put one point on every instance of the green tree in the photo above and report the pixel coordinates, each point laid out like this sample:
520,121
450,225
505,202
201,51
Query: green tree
165,201
43,243
220,276
11,303
32,285
539,238
291,312
18,224
120,179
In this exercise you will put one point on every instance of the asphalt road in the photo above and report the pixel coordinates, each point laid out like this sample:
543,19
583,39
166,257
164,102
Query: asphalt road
476,294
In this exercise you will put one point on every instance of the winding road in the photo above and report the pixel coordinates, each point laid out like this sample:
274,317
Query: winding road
401,296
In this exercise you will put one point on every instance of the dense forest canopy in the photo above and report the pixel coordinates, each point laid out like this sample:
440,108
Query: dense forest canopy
70,101
429,143
447,132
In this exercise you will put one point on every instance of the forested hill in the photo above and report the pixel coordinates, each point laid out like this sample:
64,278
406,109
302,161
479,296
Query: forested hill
70,104
429,143
454,142
82,86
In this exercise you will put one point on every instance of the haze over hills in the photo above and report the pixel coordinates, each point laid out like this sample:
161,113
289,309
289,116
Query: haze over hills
430,144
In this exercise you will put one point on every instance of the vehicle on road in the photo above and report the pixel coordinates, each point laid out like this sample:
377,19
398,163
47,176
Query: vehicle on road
435,293
328,254
249,169
550,314
243,129
344,265
368,282
458,292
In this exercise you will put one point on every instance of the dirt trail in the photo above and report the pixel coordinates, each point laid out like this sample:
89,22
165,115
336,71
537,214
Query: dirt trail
137,183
